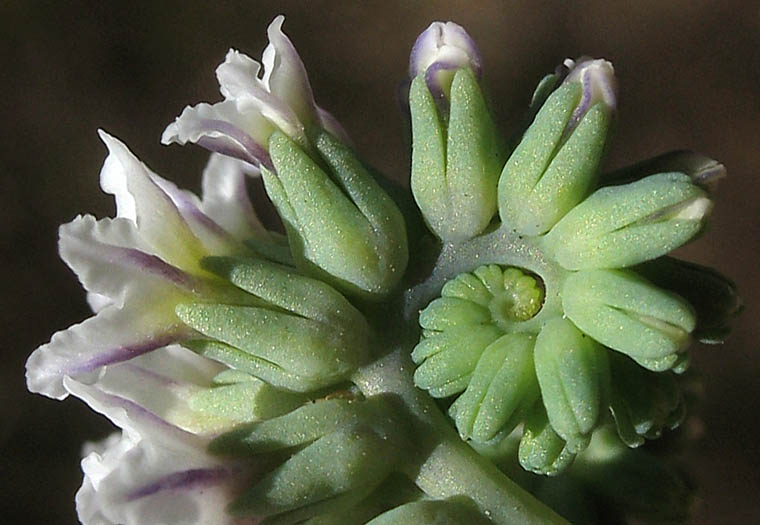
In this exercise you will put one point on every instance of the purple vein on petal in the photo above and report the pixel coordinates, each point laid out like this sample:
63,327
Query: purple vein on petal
250,151
194,478
126,352
431,79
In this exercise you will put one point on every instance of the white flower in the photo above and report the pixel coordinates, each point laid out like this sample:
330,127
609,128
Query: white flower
155,471
137,266
254,106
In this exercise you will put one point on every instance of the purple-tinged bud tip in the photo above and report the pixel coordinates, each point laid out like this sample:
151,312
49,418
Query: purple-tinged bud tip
439,51
597,79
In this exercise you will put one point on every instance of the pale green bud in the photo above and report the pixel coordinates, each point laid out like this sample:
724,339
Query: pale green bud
541,449
573,374
629,314
624,225
447,359
335,471
556,162
455,158
502,388
304,336
341,225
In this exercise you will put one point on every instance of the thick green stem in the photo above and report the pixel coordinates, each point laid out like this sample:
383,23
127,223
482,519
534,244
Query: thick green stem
444,466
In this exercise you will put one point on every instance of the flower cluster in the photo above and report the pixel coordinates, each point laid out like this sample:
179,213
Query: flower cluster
258,376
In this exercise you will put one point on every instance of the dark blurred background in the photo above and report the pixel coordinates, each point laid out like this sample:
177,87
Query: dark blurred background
688,73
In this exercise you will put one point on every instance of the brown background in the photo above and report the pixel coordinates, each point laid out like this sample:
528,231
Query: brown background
688,74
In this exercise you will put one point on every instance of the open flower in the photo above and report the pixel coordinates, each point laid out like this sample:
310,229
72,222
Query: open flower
137,266
254,105
154,470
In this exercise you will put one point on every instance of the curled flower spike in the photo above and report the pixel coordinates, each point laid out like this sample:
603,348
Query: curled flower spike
570,304
317,379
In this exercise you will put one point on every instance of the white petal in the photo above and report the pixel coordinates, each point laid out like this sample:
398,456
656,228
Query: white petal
163,382
97,301
235,128
225,197
113,335
285,75
99,252
155,474
139,198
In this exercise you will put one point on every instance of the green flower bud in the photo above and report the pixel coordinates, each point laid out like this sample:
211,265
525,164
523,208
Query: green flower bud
714,297
541,450
573,374
455,160
625,225
433,512
334,471
341,225
241,397
642,402
556,162
304,336
447,359
502,388
627,313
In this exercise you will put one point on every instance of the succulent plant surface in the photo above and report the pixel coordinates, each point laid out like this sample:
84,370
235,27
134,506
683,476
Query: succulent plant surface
394,356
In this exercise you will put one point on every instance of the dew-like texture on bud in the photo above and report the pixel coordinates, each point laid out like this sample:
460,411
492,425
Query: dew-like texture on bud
621,226
629,314
502,388
455,159
555,164
337,469
341,226
573,374
541,449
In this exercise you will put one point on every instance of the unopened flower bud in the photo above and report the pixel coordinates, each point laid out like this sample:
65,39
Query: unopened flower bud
455,157
621,226
302,336
542,450
573,374
342,226
502,388
556,162
701,169
626,313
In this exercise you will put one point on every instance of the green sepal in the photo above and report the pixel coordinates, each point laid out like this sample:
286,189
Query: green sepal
549,172
455,164
337,470
625,312
573,374
713,296
502,388
342,227
243,398
542,450
642,402
433,512
447,312
284,288
300,427
286,350
446,360
625,225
